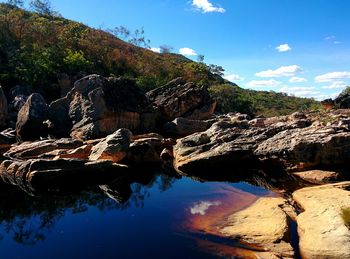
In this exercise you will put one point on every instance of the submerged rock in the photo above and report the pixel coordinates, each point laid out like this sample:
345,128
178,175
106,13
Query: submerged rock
30,122
321,228
264,224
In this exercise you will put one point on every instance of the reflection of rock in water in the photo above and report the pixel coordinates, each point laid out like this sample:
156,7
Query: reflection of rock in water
118,190
29,219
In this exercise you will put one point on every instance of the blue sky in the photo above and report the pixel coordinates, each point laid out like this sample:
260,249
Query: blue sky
301,47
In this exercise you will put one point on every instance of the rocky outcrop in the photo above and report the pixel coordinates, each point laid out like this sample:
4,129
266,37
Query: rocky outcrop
99,106
264,224
114,147
30,150
293,143
321,228
307,148
30,122
3,108
181,99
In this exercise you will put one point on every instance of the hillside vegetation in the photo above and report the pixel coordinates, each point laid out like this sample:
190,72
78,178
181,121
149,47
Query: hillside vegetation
39,50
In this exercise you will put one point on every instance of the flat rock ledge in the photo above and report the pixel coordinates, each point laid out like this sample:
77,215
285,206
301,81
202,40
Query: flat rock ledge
263,224
321,228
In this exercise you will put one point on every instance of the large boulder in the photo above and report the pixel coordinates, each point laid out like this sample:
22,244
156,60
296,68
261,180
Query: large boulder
18,96
30,122
60,123
3,108
114,147
323,233
181,99
99,106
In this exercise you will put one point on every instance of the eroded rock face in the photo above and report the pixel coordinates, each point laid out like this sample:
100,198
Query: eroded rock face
99,106
307,148
322,231
264,223
292,143
181,99
114,147
30,122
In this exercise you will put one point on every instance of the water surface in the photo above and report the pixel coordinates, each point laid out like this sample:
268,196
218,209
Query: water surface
164,217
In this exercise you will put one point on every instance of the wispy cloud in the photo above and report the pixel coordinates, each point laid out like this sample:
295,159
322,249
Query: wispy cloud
202,207
332,39
263,83
335,85
309,92
207,7
157,50
283,48
333,76
284,71
296,79
233,78
187,52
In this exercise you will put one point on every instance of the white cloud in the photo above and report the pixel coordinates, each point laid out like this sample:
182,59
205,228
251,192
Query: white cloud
296,79
333,76
263,83
233,78
202,207
206,7
157,50
322,97
187,52
283,48
335,85
281,71
337,42
309,92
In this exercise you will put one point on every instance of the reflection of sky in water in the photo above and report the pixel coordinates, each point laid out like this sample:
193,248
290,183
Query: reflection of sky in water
202,207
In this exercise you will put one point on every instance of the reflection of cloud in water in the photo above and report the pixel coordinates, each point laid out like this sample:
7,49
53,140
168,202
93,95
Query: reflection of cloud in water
202,207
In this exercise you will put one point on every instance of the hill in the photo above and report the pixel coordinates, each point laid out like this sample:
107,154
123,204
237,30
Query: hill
49,53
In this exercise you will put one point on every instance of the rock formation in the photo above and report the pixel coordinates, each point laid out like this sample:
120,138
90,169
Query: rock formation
181,99
321,228
99,106
30,122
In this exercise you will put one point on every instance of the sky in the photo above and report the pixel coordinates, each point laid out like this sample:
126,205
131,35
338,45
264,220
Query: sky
300,47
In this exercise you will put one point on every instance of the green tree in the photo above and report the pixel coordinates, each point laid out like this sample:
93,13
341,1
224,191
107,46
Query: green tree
75,62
